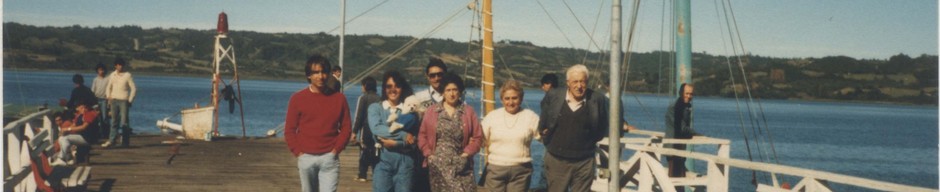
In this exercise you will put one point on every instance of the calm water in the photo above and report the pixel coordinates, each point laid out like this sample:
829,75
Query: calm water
883,142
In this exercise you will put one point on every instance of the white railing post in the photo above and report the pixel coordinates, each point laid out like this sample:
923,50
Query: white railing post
717,176
645,175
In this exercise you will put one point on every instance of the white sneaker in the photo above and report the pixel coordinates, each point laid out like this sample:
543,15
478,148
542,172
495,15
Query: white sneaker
106,144
58,162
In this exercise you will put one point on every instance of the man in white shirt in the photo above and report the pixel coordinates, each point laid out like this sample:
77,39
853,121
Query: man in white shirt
434,72
120,92
98,86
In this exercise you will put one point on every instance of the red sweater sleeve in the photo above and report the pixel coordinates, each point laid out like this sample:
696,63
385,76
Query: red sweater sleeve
290,124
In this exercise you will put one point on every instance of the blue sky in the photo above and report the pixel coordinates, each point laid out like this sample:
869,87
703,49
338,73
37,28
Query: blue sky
872,29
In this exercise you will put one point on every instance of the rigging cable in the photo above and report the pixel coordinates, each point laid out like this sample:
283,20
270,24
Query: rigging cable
626,61
737,103
360,14
555,23
751,113
400,51
589,35
474,26
593,32
738,33
662,28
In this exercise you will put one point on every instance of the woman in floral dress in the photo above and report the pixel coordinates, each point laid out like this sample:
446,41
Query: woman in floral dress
450,135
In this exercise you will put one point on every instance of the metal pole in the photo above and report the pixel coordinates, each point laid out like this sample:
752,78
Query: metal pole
342,38
683,11
613,163
683,39
216,61
238,86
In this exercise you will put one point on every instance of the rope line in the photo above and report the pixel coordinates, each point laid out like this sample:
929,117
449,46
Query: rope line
360,14
555,23
737,102
402,50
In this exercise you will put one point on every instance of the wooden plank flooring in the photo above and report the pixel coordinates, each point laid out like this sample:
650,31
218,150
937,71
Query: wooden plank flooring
254,164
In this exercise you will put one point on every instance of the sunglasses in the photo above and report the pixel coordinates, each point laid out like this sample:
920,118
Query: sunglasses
436,75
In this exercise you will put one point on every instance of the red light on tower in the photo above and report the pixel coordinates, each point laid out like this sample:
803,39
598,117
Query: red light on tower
222,27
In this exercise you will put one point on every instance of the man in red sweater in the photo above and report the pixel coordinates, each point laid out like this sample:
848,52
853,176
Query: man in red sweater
317,128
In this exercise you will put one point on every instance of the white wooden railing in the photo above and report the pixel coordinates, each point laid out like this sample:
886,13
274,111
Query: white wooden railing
17,175
644,171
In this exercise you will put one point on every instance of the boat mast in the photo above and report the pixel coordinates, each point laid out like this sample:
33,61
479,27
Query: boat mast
489,101
683,39
614,90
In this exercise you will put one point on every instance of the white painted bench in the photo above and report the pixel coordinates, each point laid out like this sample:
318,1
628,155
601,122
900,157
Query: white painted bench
57,178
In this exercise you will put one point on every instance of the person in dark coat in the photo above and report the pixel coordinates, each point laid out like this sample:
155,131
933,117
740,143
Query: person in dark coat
679,126
81,94
368,156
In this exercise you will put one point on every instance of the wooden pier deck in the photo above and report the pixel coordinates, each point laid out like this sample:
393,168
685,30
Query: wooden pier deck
253,164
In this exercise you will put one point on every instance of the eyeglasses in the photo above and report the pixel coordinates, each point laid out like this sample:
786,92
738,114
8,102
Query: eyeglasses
436,75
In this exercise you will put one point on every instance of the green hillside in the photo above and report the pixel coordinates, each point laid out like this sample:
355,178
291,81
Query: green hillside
899,79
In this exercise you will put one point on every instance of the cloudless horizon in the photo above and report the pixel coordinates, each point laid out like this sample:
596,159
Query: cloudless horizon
862,29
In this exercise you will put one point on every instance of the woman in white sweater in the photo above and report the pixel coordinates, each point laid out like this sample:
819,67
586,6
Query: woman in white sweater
508,133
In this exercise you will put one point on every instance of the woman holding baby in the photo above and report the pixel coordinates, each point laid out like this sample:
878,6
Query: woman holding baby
392,125
449,136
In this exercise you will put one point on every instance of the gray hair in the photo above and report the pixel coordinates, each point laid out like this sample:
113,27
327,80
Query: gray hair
578,68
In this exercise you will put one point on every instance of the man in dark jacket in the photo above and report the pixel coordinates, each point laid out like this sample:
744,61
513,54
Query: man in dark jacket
572,121
362,134
81,94
679,126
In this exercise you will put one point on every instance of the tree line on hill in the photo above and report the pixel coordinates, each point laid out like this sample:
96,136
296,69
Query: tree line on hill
899,79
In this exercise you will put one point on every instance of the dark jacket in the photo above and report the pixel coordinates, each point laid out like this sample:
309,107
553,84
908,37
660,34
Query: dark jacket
361,122
679,123
554,101
82,94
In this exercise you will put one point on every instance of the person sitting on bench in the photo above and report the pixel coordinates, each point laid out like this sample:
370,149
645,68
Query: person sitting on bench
80,133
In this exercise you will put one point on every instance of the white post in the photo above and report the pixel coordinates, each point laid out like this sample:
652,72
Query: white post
342,38
614,119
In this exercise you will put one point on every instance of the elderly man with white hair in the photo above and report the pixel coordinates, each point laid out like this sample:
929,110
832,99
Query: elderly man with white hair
571,122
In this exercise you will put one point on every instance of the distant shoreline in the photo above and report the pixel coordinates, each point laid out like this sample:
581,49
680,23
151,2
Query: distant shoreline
421,85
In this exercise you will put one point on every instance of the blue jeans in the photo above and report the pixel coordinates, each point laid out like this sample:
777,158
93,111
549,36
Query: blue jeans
119,110
65,145
318,171
103,117
394,172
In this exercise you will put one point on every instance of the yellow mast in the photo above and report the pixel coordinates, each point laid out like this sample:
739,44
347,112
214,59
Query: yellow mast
489,95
